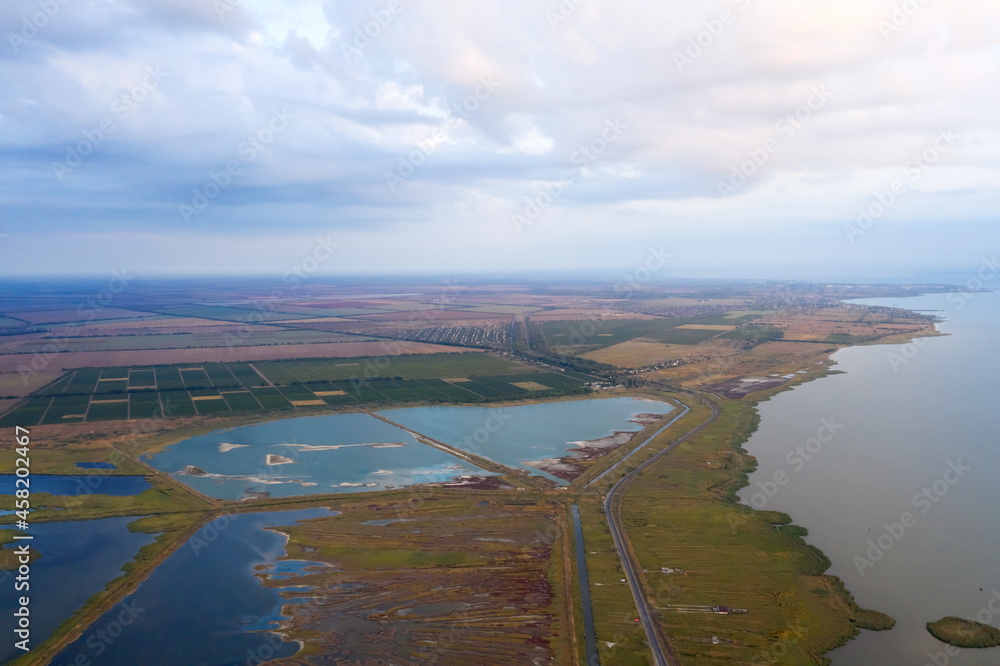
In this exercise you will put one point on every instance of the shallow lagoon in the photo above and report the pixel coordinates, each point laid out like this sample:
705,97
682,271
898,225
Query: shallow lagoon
78,559
308,456
518,436
205,604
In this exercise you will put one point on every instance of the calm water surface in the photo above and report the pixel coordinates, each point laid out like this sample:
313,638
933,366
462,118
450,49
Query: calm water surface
309,455
902,419
78,559
95,484
516,436
204,605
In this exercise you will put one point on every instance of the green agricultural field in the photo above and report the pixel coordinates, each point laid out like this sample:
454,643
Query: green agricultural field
106,386
302,371
756,333
246,375
27,414
177,404
297,392
144,405
276,372
602,333
143,378
217,388
221,376
270,399
84,380
684,336
211,405
242,401
575,337
168,378
108,411
195,378
114,373
58,387
425,366
67,409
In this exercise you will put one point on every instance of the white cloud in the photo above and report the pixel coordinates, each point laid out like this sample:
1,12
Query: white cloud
555,89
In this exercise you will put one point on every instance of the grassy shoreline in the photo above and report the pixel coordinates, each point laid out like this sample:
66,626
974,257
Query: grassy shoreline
826,619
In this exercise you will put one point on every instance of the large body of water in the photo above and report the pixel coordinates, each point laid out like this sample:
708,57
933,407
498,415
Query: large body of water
517,436
328,454
204,605
78,559
897,478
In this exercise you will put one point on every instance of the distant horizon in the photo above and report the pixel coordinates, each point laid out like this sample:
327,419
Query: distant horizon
956,278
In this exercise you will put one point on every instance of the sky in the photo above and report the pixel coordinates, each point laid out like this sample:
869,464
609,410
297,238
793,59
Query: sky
814,139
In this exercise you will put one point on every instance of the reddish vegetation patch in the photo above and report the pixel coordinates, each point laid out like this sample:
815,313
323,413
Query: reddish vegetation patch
475,483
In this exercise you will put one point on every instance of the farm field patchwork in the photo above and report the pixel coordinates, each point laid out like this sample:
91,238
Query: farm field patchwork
102,394
577,336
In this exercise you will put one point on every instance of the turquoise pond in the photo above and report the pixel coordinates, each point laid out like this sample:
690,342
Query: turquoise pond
308,456
358,452
524,435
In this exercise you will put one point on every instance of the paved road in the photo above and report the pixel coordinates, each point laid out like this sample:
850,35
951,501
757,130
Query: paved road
636,449
663,653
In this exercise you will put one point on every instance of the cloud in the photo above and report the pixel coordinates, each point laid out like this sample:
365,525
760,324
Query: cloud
480,105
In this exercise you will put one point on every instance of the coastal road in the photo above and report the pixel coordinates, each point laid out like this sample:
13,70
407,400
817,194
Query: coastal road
663,653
